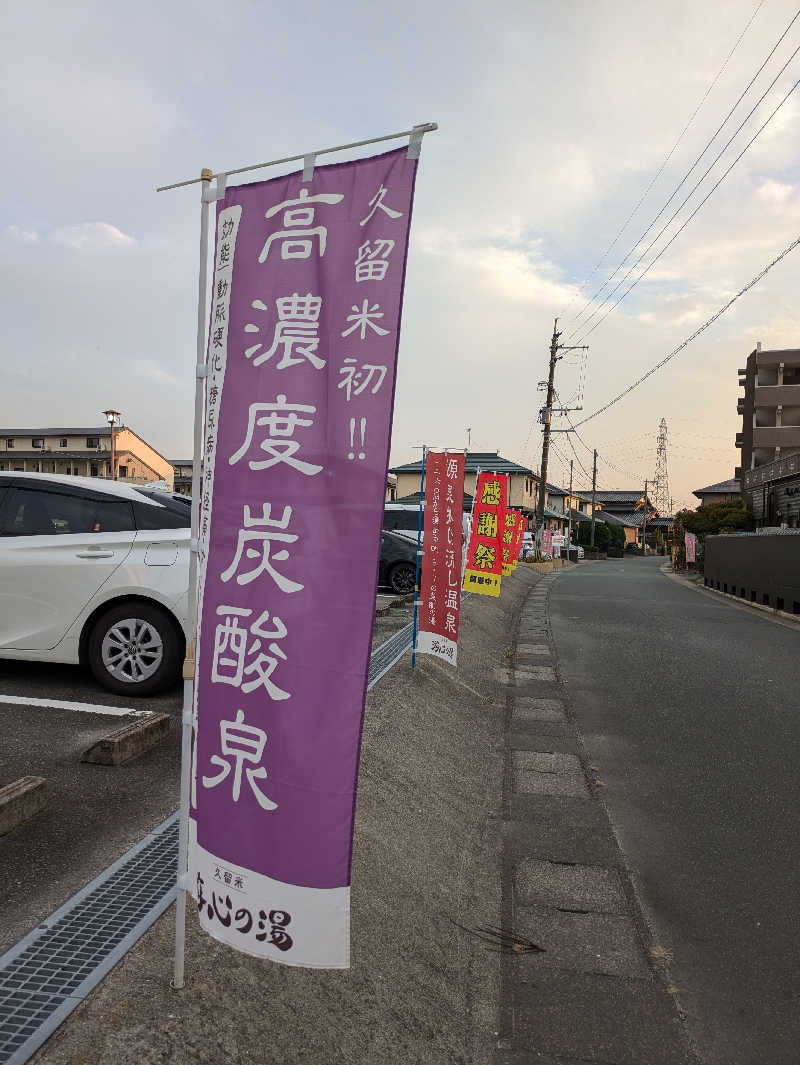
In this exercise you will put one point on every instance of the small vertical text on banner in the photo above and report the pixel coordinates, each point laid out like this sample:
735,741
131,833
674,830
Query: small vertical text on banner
440,583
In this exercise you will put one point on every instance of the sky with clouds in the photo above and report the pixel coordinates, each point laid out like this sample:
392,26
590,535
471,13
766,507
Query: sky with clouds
554,119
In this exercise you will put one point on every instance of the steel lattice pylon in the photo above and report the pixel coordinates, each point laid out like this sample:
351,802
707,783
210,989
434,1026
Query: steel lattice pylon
661,483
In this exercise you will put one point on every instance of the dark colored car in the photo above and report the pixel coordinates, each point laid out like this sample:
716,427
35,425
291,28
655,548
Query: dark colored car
398,564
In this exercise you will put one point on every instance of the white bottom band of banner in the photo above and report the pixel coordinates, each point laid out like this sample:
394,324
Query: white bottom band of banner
252,913
431,643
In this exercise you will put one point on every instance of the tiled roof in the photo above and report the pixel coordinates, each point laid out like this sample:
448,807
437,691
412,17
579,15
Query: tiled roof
489,461
637,520
612,497
720,488
413,500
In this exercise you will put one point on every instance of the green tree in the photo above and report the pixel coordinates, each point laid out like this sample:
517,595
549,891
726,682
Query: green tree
712,519
605,535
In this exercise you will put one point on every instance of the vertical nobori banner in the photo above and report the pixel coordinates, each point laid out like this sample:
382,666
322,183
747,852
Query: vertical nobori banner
440,584
485,553
690,542
509,533
519,536
305,321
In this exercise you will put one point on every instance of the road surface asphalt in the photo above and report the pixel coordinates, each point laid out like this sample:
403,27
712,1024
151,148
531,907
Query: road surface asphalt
689,709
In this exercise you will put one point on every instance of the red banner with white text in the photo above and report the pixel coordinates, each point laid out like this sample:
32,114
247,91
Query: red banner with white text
440,580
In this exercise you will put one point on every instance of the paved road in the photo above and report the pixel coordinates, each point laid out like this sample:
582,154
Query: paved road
690,710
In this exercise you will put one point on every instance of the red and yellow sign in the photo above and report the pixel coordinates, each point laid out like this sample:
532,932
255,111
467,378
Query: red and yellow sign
509,537
522,523
485,553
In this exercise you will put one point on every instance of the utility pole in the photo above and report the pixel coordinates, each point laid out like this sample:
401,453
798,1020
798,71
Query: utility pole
644,524
569,509
594,493
546,416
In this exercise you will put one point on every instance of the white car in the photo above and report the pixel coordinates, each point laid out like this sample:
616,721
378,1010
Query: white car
94,572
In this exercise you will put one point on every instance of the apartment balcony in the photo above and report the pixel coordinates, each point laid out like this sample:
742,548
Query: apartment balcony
774,395
776,436
789,357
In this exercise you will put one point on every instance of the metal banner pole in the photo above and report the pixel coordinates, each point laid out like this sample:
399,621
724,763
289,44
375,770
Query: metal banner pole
419,558
189,663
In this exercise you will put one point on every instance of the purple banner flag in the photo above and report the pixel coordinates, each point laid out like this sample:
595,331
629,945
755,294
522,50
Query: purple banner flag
305,322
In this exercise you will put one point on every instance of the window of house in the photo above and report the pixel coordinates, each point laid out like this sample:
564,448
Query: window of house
10,442
93,441
37,441
62,442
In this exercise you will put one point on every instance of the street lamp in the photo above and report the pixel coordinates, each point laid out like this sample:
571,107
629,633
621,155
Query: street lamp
112,417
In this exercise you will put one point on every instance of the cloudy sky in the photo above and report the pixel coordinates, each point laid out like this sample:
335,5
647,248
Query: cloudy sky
554,120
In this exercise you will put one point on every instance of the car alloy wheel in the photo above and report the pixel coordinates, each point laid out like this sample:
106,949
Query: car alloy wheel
403,578
132,650
135,649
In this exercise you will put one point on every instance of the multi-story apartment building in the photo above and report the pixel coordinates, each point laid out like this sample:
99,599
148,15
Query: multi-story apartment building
770,407
83,452
770,436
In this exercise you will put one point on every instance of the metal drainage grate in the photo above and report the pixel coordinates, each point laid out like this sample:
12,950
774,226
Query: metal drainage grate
47,974
384,657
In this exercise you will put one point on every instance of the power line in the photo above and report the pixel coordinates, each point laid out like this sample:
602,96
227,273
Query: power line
671,152
705,199
701,329
691,169
617,469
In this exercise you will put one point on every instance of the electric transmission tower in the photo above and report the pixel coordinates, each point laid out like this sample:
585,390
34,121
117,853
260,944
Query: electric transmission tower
661,482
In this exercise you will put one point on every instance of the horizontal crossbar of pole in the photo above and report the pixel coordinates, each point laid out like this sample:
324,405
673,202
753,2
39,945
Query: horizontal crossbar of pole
425,127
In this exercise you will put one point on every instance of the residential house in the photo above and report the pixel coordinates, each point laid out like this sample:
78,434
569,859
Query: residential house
183,476
84,452
721,492
523,483
625,508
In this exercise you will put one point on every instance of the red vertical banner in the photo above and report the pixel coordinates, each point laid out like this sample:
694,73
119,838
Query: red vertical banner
508,537
440,579
484,567
519,536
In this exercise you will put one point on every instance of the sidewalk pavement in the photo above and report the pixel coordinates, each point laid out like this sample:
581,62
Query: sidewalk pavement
475,810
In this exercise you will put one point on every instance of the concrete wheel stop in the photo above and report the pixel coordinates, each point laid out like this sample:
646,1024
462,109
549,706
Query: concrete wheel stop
128,741
20,800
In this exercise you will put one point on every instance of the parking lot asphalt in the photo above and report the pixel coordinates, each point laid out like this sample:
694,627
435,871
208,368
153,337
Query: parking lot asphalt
94,813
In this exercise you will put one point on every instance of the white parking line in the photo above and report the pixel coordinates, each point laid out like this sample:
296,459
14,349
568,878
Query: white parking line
83,708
